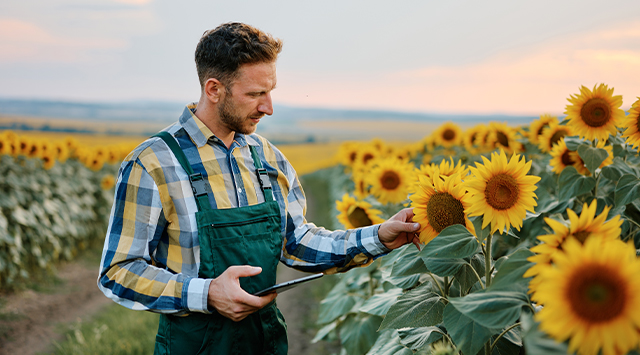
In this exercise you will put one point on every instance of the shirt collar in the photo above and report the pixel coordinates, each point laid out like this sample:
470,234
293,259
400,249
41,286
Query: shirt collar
200,134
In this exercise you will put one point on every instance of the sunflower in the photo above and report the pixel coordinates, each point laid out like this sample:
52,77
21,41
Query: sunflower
347,153
94,161
390,180
473,138
591,296
503,137
366,154
594,114
4,146
361,189
632,124
356,214
440,203
107,181
48,159
35,149
583,227
448,135
62,151
580,166
537,126
501,190
561,157
551,135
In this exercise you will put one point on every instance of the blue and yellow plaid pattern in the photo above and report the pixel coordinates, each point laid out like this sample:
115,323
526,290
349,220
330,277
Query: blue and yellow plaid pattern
151,253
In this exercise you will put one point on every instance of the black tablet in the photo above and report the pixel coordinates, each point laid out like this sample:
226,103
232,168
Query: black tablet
287,285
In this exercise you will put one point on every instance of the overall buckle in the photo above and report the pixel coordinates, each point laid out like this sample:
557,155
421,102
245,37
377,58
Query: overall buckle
263,177
199,186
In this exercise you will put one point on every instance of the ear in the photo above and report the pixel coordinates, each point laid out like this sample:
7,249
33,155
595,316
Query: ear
213,90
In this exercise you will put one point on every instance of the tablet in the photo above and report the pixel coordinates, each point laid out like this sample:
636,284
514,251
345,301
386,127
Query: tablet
287,285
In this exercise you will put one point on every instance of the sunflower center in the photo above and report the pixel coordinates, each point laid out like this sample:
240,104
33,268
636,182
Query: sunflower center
367,157
502,139
556,137
359,218
638,123
448,135
596,112
352,156
597,294
502,192
444,210
542,128
566,158
390,180
582,236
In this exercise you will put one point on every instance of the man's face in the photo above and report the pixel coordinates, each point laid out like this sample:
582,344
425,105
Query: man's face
249,98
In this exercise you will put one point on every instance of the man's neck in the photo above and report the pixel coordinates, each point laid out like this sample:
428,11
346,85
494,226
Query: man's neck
209,116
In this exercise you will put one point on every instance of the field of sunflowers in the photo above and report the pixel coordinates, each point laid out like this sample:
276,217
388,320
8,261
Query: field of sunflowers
529,238
529,235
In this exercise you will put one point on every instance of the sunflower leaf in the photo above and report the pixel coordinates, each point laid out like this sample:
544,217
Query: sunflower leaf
537,342
453,242
573,142
592,157
572,184
418,338
468,335
491,309
510,271
444,267
358,333
627,190
417,308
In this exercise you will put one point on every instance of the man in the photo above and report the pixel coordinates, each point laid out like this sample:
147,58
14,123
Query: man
202,215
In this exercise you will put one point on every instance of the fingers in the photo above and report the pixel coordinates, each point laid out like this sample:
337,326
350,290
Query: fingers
238,271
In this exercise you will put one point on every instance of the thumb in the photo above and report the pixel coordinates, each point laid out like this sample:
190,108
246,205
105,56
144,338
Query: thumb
408,227
238,271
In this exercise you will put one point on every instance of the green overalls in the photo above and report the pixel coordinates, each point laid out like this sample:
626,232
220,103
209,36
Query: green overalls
247,235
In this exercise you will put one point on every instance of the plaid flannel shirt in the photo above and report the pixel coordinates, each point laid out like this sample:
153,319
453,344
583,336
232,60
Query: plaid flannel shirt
151,255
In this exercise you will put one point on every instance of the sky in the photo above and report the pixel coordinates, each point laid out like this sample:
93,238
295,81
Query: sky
467,56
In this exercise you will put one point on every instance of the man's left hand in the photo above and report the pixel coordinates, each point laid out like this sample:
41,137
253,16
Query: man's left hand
399,230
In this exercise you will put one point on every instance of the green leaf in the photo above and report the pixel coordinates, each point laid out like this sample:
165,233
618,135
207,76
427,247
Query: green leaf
418,338
482,234
358,333
416,308
378,305
388,343
592,157
627,190
466,276
573,142
444,267
335,307
324,331
453,242
409,264
510,271
618,168
492,309
572,184
536,342
468,335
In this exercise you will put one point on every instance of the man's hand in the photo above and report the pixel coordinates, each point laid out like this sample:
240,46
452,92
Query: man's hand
399,230
230,300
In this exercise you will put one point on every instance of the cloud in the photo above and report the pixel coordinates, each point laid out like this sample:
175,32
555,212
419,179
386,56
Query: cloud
26,42
532,80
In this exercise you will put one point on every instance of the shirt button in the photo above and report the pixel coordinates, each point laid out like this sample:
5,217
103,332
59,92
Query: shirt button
239,190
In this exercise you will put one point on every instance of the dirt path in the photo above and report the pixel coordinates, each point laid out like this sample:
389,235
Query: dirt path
30,321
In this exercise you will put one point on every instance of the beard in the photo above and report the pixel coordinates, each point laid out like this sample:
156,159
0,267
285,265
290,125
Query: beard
235,121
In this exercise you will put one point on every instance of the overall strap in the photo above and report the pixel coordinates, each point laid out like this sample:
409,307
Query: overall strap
263,177
198,185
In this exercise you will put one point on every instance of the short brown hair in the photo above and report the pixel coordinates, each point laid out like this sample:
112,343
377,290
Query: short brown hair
222,50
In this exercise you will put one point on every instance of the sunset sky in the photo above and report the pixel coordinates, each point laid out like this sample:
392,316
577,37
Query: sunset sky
486,57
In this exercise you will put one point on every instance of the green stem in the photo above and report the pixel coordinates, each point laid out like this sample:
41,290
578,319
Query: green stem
495,342
487,261
478,276
595,189
446,285
437,284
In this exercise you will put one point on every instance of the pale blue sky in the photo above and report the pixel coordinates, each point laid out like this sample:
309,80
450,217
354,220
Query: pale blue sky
516,57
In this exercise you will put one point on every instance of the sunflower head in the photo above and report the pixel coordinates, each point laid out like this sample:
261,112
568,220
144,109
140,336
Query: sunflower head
107,181
474,138
439,203
537,126
390,180
502,192
551,135
631,125
503,137
595,114
561,157
591,297
448,135
356,214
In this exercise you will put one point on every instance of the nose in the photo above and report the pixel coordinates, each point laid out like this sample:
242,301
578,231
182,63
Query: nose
266,106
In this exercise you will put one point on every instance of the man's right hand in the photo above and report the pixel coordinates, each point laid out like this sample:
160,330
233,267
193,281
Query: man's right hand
230,300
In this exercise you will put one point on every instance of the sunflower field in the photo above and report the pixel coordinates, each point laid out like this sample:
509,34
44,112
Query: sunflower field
529,238
55,197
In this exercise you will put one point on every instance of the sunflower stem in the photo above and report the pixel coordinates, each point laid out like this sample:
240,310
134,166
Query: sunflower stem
478,276
487,261
495,342
446,285
438,284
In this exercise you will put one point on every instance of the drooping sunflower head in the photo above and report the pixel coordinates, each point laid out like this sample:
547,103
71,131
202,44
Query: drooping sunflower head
501,190
581,228
561,157
591,297
537,126
448,135
356,214
503,137
595,114
551,135
631,125
440,203
390,180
